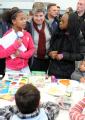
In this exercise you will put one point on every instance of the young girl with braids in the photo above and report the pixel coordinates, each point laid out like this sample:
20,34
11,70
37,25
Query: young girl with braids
19,63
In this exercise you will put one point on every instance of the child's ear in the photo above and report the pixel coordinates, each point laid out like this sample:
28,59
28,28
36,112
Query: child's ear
13,22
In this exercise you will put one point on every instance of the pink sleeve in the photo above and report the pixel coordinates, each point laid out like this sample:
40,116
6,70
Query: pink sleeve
30,51
76,111
10,50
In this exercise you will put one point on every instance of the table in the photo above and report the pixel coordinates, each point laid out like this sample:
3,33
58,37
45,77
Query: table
63,113
76,96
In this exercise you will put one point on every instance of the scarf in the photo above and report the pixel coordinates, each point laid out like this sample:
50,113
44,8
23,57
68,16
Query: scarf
41,51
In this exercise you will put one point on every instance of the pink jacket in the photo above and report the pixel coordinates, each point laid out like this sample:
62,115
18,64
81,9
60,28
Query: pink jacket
22,60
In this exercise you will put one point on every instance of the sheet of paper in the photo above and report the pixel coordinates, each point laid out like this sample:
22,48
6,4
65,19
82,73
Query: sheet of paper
10,84
9,39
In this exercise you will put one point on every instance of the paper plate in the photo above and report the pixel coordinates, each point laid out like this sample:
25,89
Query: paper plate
55,89
68,82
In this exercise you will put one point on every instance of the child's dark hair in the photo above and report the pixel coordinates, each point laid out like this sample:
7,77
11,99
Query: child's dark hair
27,98
10,14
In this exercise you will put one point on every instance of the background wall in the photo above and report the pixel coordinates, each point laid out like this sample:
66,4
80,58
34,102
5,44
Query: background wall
27,4
63,3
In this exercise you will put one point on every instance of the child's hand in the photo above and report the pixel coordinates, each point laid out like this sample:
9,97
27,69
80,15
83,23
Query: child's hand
60,102
19,41
82,79
17,53
53,54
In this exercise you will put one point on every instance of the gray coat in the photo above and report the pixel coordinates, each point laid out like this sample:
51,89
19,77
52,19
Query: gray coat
77,74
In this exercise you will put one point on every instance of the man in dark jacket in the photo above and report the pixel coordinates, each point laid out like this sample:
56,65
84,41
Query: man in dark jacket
81,15
80,12
51,16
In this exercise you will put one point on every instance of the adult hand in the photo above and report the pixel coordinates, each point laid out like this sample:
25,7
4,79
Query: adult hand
59,57
53,54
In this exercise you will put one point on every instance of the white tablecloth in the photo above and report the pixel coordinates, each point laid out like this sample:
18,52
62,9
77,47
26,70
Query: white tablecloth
64,114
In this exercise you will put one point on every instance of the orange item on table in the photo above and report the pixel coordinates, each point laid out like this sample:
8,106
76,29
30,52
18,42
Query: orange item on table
65,82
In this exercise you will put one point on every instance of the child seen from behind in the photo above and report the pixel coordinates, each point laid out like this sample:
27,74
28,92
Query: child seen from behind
28,107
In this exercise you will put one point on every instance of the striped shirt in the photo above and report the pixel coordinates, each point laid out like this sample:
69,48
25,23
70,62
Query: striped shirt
76,111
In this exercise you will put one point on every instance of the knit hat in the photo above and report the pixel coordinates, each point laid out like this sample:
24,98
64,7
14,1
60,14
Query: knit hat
38,7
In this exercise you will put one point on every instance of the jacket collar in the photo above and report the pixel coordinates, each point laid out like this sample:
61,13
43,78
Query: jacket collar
26,116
